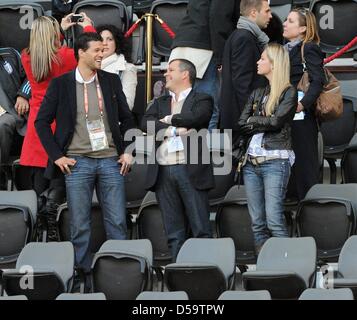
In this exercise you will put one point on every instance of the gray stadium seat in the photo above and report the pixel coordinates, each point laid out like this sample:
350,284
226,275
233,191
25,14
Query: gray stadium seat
81,296
327,294
285,267
245,295
171,295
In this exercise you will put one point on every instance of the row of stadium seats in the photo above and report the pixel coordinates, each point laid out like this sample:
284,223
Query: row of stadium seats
204,270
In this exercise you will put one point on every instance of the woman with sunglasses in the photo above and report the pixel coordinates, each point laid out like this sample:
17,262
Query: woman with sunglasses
44,59
300,30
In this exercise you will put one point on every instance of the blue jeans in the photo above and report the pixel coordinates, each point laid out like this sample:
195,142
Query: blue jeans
266,186
105,175
180,201
209,84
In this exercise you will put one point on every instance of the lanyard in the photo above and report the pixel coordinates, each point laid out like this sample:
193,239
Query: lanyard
100,98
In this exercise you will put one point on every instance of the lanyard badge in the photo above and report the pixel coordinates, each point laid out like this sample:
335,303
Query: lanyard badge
96,128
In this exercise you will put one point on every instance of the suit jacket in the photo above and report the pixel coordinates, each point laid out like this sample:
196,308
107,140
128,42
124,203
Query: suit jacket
314,63
60,104
195,114
239,76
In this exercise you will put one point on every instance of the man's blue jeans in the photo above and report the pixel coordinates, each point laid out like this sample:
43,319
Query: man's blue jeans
85,175
266,186
180,201
209,84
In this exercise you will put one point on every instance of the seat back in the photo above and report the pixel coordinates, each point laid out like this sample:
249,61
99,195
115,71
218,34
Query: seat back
16,19
82,296
98,235
121,269
103,12
296,255
348,259
135,183
204,268
349,162
245,295
18,211
281,8
21,297
171,295
150,226
233,220
338,133
336,21
330,294
49,266
172,12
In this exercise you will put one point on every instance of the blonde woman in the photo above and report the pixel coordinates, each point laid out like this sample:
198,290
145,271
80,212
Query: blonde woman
44,60
266,123
300,29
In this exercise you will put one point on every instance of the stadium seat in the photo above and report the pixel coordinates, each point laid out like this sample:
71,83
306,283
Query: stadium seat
346,276
204,268
281,8
9,298
122,269
50,269
103,12
18,211
172,12
171,295
98,235
233,220
17,17
81,296
285,267
336,22
349,162
338,133
328,214
245,295
327,294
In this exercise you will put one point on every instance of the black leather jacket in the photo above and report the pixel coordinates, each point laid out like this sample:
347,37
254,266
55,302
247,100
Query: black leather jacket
277,127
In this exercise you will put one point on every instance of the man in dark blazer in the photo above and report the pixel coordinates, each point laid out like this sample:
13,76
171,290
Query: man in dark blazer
241,53
181,172
92,116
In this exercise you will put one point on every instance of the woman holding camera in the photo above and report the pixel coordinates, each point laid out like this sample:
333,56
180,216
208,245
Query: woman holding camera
115,60
43,60
266,124
301,31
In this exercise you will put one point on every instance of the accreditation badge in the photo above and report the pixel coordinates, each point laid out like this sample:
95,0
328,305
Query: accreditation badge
97,136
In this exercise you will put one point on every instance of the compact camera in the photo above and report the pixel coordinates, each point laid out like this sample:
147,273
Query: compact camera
77,18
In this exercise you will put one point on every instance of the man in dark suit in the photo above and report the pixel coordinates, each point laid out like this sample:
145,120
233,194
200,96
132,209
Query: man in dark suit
181,173
15,92
241,53
92,116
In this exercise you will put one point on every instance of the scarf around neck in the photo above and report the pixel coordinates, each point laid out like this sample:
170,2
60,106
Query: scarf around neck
246,24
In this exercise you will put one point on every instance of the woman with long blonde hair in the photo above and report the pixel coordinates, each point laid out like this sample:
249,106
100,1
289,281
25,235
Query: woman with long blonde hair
300,30
265,123
43,60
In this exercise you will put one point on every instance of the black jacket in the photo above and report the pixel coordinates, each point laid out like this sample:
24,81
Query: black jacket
314,63
13,83
277,127
207,25
195,114
60,104
239,76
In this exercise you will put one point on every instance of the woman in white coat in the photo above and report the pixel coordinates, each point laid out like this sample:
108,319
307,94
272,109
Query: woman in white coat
114,61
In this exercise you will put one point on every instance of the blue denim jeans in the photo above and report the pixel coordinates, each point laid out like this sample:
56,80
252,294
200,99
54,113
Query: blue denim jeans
266,186
104,174
209,84
180,201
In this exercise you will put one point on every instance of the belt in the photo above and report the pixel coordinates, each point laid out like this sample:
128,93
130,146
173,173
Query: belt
259,160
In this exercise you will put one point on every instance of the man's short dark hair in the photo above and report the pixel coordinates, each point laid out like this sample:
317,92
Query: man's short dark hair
185,65
83,40
247,5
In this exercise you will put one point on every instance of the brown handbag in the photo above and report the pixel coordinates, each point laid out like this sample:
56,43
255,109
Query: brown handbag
329,105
